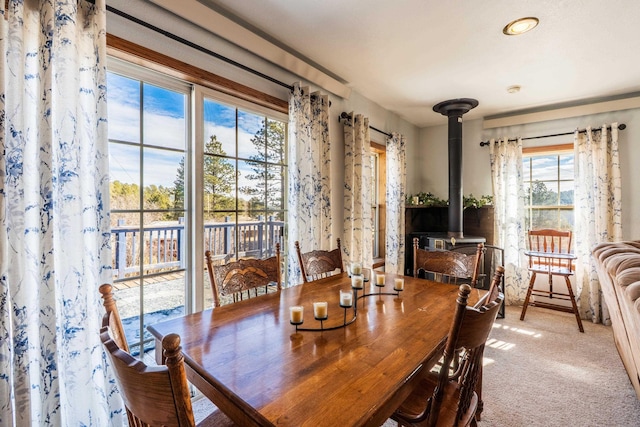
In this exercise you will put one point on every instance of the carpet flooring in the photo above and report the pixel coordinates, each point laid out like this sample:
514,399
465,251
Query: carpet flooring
542,372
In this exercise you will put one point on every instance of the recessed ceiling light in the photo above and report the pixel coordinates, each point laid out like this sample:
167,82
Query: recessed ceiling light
520,26
513,89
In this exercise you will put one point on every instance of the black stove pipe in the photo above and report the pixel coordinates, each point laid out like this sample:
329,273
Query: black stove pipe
454,109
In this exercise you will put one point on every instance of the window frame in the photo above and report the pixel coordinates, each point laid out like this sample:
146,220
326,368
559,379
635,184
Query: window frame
541,151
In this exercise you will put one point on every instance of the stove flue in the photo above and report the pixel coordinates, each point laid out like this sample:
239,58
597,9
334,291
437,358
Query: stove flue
454,109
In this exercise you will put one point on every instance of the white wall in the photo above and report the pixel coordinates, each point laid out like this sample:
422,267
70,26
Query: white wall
378,116
428,170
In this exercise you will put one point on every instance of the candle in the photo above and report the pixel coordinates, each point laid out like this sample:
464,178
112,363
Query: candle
320,310
296,313
346,298
398,284
356,268
357,282
380,279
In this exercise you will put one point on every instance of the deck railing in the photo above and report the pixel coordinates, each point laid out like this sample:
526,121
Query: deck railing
164,246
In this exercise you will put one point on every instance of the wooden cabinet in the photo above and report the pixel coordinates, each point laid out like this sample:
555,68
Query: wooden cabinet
476,221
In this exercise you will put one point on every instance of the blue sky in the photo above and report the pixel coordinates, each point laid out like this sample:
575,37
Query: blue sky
165,125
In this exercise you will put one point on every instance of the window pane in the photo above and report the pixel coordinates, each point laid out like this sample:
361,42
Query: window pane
220,235
219,187
164,117
124,174
275,187
275,142
163,174
544,218
544,168
566,193
125,241
544,193
220,124
566,166
251,136
123,108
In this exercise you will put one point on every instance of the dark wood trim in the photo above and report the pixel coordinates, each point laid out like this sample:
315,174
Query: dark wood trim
140,55
378,147
547,148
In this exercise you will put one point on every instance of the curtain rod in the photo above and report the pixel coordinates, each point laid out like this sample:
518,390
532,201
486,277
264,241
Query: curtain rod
347,116
621,126
194,46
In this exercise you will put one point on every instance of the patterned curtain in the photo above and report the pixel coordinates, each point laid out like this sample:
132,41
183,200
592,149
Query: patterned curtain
54,215
309,211
358,174
597,208
508,200
394,199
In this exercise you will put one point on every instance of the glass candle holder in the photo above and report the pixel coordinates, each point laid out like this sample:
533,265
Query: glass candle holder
346,299
357,281
320,310
296,315
380,278
398,284
356,268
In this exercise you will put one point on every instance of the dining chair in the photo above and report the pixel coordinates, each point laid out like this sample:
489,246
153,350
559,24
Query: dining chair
550,254
236,280
115,323
317,264
491,258
447,266
152,395
452,399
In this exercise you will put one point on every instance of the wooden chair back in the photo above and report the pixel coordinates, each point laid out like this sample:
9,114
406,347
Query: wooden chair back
153,395
242,278
447,266
115,323
469,332
319,263
550,241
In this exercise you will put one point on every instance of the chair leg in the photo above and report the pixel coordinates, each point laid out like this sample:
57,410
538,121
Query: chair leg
573,304
528,297
480,408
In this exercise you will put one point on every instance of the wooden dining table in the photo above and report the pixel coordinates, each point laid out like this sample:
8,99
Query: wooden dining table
251,362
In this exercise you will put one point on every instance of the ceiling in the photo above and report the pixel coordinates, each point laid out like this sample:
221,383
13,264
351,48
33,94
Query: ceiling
408,55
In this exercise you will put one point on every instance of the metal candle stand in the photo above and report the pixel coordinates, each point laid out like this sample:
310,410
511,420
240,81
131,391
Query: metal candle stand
345,307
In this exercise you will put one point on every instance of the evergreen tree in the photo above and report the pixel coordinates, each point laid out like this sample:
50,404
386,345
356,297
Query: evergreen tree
268,189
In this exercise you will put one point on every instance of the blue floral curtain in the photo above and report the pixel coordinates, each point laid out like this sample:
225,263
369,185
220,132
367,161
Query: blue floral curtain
309,206
394,199
358,175
54,224
508,207
597,210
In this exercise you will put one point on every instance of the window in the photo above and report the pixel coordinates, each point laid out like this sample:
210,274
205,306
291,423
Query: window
176,192
549,189
378,192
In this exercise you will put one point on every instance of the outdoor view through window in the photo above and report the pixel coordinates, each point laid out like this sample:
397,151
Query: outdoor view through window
229,185
548,181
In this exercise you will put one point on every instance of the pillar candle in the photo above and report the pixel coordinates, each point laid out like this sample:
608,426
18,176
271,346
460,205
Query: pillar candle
357,282
296,314
346,298
398,284
380,279
320,309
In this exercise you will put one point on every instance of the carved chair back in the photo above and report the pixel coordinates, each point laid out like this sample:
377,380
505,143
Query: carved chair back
447,266
319,263
243,278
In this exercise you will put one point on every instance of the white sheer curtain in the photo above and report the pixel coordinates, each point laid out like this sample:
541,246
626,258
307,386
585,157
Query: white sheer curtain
358,221
597,208
309,211
54,215
394,199
508,200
